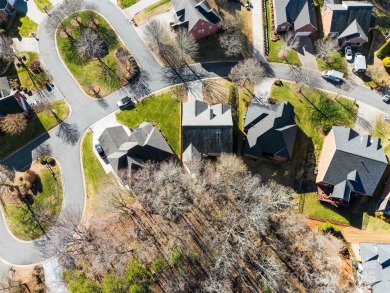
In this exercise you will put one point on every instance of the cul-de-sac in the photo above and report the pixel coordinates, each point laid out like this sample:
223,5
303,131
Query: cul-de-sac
195,146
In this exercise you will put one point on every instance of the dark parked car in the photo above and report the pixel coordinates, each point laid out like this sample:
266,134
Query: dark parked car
125,102
100,151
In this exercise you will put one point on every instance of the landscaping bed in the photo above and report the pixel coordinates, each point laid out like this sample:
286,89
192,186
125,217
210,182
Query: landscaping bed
108,69
39,124
29,216
162,110
316,111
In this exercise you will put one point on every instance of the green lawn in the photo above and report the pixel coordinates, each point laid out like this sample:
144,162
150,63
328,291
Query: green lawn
42,4
126,3
23,219
163,110
274,47
103,73
336,62
382,130
22,26
310,206
39,124
32,81
374,224
315,111
152,10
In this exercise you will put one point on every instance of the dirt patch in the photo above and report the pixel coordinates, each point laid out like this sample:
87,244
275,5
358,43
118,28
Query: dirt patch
66,34
25,279
76,22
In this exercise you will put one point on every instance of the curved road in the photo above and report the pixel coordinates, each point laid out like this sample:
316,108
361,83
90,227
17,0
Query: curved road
65,140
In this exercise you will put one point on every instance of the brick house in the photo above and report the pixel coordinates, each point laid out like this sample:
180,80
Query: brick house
348,22
198,19
7,11
271,131
350,166
298,15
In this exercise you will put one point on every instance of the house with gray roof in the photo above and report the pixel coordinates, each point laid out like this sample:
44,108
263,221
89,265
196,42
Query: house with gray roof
270,129
348,22
14,104
375,258
350,166
130,149
198,19
299,15
206,130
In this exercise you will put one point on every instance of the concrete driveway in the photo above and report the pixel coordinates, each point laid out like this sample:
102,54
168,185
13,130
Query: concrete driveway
306,53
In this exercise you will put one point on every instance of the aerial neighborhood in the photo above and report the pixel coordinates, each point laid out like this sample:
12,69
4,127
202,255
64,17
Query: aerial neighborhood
194,146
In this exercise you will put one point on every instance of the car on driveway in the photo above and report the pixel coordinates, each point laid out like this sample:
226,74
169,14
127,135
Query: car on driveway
100,151
386,95
348,53
125,102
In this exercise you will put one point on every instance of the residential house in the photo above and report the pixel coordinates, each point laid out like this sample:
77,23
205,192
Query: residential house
198,19
130,149
348,22
206,130
350,166
375,258
14,104
270,130
299,15
7,11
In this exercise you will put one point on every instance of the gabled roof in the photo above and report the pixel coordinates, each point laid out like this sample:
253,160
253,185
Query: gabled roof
357,164
347,12
124,151
353,31
376,265
198,113
270,129
189,12
297,12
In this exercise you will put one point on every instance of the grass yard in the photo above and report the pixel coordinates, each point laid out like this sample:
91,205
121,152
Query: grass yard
32,81
163,110
374,224
337,62
41,4
126,3
39,124
274,47
153,10
102,73
316,112
22,26
25,220
382,130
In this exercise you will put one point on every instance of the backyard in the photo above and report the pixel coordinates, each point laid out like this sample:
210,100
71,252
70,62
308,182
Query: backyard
163,110
30,219
103,71
39,124
316,111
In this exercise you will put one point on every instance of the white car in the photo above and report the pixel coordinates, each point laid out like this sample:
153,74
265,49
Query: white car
348,53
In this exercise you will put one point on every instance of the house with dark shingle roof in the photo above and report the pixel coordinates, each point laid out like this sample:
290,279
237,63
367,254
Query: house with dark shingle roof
14,104
7,11
350,166
270,130
206,130
130,149
198,19
299,15
375,258
348,22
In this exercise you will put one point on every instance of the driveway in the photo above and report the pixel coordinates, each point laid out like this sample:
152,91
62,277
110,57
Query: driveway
64,140
306,53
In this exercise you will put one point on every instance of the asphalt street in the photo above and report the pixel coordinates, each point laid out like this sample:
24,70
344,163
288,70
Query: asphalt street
64,139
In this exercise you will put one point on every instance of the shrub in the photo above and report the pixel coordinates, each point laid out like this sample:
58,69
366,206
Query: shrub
384,50
386,62
328,227
50,161
43,160
158,265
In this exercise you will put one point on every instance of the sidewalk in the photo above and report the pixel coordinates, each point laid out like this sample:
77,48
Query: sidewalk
258,30
53,276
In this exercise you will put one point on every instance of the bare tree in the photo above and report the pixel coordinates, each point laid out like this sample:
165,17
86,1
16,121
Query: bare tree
291,42
249,70
155,34
232,40
327,48
186,44
90,45
14,124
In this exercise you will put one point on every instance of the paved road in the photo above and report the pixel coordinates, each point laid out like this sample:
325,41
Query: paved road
65,140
